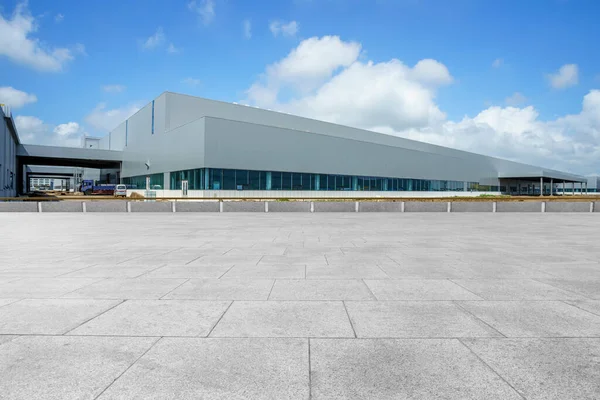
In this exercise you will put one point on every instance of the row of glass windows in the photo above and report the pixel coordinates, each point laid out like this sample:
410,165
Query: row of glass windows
157,181
231,179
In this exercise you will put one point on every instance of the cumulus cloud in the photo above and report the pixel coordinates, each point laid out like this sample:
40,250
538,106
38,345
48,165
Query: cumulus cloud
58,18
113,88
283,28
15,98
105,120
516,99
33,130
155,40
397,99
18,44
566,76
497,63
205,10
247,26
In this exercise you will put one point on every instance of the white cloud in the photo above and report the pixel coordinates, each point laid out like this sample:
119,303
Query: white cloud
58,18
155,40
35,131
283,28
113,88
497,63
171,49
15,98
17,43
105,120
566,76
516,99
191,81
394,98
205,10
247,26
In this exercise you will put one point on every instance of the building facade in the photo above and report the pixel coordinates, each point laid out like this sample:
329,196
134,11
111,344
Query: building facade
9,140
216,146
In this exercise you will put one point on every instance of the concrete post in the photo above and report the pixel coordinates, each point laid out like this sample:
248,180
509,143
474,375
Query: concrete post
312,206
449,208
173,207
494,206
266,206
543,206
401,206
356,206
221,206
39,206
83,207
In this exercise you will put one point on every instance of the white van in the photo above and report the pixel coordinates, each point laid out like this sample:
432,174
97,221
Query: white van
120,191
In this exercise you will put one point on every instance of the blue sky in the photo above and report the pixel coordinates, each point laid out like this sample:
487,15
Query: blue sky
490,90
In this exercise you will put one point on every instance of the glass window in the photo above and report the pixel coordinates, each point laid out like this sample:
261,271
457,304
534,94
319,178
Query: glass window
228,179
254,180
296,181
307,180
241,179
276,181
286,181
216,178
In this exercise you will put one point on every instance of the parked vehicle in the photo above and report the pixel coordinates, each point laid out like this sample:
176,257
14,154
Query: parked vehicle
89,188
121,190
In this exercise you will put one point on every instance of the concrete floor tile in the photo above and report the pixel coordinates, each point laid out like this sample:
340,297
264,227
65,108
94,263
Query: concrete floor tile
401,369
7,338
189,271
226,260
43,287
284,319
368,271
514,289
535,318
213,369
64,368
156,318
584,286
135,288
543,369
223,289
421,272
327,289
592,306
266,272
419,289
415,319
110,271
49,316
4,302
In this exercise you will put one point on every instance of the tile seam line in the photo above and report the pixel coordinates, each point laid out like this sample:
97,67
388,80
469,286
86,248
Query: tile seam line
569,304
79,288
175,288
468,290
491,369
129,367
369,289
95,316
349,319
309,373
219,320
147,272
566,290
271,291
476,318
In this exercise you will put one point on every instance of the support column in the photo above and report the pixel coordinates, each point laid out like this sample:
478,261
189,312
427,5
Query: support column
551,187
354,183
573,188
206,178
585,183
563,188
541,186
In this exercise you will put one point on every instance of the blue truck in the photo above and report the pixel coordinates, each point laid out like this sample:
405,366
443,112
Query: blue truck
88,187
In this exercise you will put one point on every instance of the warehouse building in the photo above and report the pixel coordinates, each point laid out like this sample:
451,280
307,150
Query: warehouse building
182,145
179,140
9,140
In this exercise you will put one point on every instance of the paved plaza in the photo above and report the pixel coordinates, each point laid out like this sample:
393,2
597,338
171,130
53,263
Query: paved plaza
299,306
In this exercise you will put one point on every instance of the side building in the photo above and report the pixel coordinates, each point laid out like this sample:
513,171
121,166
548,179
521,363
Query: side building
217,146
9,140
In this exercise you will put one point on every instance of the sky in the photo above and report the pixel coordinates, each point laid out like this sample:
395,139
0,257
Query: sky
513,79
